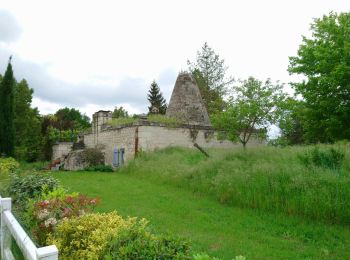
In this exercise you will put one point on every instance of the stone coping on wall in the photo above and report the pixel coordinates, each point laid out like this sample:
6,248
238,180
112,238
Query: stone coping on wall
142,122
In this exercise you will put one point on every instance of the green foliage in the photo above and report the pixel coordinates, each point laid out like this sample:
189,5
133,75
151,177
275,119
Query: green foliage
209,72
325,158
88,236
157,118
268,178
63,126
290,120
137,242
156,99
99,168
7,131
71,118
27,124
93,156
43,213
56,135
203,256
120,113
251,109
8,165
169,121
324,59
154,188
30,186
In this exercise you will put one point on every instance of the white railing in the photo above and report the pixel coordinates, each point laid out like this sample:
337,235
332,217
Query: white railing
11,227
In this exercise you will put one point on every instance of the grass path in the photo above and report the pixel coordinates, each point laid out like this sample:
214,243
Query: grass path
217,229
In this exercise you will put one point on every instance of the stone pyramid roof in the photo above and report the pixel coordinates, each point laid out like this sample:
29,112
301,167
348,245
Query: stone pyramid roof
186,103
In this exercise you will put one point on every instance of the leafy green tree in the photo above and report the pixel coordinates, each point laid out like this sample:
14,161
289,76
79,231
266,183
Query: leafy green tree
155,97
324,59
7,134
291,120
27,124
120,113
251,109
63,126
70,119
209,72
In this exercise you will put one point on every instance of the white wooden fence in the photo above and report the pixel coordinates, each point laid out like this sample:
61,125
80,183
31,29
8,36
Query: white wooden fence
11,227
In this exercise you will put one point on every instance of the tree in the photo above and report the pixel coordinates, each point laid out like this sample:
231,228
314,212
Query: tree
120,113
251,109
7,136
324,59
27,124
291,120
209,72
155,97
70,119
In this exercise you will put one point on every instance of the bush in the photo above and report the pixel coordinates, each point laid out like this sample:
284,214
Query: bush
8,165
30,186
329,159
93,156
99,168
137,243
109,236
88,236
46,211
162,119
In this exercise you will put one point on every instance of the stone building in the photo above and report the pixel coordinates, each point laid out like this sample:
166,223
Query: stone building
121,143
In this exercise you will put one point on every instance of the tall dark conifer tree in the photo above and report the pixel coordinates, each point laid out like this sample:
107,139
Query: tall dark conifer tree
7,136
155,97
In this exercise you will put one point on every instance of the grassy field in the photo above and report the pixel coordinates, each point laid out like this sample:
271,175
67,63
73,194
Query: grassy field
306,181
223,205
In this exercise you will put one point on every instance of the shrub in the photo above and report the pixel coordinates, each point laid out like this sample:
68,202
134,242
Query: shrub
30,186
93,156
8,165
45,212
137,243
162,119
329,159
99,168
88,236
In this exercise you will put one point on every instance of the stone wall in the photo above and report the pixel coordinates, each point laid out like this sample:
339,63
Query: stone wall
152,137
156,137
61,149
122,137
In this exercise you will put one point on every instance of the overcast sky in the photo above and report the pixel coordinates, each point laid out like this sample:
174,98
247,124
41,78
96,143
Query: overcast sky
94,55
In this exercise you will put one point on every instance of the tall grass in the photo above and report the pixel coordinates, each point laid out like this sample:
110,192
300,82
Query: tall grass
265,178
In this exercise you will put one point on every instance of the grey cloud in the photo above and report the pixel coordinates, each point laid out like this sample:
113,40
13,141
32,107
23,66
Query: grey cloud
130,90
9,27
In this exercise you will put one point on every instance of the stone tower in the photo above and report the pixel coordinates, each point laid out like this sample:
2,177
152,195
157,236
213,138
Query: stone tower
98,119
186,103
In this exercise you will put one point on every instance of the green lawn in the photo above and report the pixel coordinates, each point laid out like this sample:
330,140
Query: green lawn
218,229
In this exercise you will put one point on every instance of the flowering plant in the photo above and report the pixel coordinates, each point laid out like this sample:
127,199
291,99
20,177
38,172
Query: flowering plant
48,213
